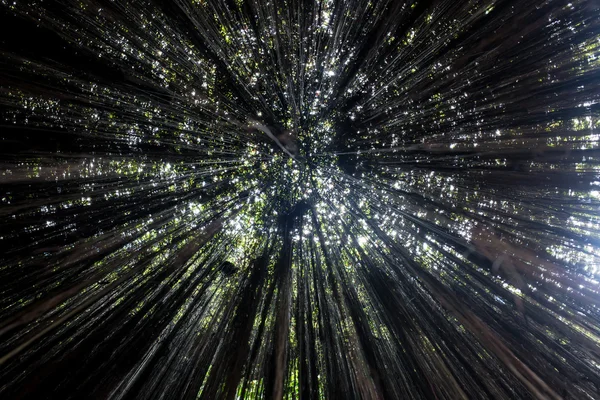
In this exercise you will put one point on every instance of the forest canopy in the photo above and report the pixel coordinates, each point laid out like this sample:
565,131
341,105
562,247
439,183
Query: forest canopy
329,199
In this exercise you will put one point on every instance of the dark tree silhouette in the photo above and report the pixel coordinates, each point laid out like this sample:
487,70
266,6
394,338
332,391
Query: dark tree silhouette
329,199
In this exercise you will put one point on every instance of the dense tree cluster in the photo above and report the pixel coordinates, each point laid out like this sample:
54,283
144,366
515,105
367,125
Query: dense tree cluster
328,199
